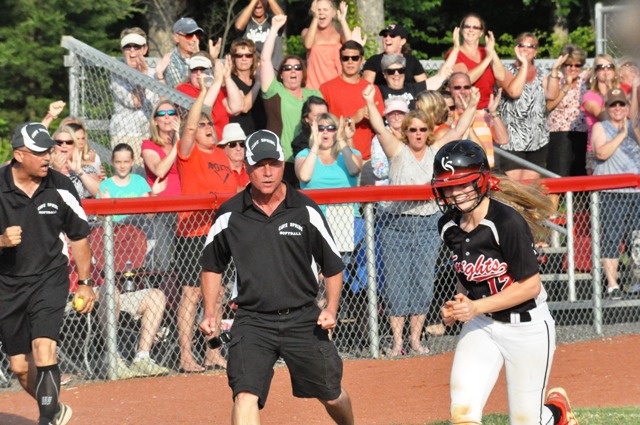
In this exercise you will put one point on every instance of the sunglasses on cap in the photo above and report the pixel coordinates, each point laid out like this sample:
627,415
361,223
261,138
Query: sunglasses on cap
605,66
132,47
330,128
190,36
415,130
292,67
232,145
64,142
465,87
170,112
392,71
243,55
345,58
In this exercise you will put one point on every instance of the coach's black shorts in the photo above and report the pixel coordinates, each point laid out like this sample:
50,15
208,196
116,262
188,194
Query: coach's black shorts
32,307
188,253
312,359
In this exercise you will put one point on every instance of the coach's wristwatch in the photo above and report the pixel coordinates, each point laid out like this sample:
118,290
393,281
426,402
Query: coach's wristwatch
87,282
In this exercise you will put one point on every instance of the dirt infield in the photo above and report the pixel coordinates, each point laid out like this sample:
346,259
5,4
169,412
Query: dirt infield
408,391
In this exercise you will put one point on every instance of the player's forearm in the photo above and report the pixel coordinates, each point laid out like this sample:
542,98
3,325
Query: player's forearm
82,257
515,294
211,285
334,289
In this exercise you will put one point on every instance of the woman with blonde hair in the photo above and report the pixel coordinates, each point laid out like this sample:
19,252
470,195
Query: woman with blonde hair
66,158
433,104
409,237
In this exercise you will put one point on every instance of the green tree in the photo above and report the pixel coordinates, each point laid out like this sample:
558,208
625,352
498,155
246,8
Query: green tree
31,58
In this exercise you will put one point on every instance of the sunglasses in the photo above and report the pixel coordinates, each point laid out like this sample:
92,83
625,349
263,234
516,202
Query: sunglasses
345,58
605,66
243,55
330,128
170,112
199,70
471,27
232,145
64,142
205,124
573,65
190,36
415,130
132,47
390,71
528,45
467,87
290,67
614,104
452,108
388,34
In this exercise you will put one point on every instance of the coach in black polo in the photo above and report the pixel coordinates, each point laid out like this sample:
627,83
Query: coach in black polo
38,207
279,242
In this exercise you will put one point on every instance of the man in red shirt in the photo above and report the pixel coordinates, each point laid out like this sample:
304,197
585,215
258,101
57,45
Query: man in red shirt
344,96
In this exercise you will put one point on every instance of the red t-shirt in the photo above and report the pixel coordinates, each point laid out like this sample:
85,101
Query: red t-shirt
487,80
202,173
219,113
345,99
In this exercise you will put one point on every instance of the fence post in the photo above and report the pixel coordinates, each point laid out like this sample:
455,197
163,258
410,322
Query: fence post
571,262
372,282
109,293
596,267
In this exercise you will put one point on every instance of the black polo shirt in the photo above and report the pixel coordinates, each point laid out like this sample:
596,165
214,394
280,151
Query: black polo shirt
494,255
277,257
413,68
53,211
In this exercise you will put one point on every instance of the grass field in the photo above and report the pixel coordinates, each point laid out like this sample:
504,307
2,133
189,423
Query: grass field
610,416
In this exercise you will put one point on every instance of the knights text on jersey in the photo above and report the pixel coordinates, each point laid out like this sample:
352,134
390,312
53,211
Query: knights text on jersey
494,255
52,212
277,257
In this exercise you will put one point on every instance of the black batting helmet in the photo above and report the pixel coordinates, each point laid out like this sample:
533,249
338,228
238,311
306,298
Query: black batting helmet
456,163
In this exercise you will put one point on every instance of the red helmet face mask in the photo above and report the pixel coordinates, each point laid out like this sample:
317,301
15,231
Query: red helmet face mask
460,163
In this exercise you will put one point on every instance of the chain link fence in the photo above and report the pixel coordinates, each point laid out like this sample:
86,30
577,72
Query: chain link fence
397,273
616,29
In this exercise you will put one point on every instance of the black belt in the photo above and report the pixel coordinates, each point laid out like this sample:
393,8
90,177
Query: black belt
285,311
505,316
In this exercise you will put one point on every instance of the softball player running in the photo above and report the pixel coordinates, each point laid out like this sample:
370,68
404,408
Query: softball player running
488,226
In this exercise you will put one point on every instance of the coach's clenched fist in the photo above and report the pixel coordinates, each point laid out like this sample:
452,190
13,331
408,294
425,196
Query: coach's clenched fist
11,237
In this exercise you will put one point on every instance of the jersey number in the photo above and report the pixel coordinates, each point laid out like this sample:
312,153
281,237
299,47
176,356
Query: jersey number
498,284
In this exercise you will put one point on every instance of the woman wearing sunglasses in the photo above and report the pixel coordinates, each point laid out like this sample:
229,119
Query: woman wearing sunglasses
132,104
604,76
523,108
284,92
409,235
566,120
482,64
616,148
243,72
67,159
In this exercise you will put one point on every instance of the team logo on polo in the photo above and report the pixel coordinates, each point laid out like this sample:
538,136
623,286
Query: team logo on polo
290,229
47,208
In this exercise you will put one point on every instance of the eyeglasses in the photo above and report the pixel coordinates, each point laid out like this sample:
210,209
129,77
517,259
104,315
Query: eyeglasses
64,142
132,47
199,70
170,112
605,66
616,104
203,124
415,130
243,55
345,58
329,128
471,27
528,45
190,36
232,145
392,71
466,87
573,65
292,67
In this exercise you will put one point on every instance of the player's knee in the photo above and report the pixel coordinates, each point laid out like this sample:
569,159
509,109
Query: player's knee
19,367
246,400
44,351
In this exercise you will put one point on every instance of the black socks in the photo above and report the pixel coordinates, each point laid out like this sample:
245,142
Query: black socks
47,391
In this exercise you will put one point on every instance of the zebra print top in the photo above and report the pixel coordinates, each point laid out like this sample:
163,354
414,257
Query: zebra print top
525,117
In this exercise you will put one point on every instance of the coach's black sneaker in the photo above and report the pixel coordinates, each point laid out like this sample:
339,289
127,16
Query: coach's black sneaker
64,415
614,293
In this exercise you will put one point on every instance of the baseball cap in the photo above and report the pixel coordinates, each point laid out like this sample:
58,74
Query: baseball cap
199,62
232,132
616,95
186,26
394,30
395,104
32,135
263,144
